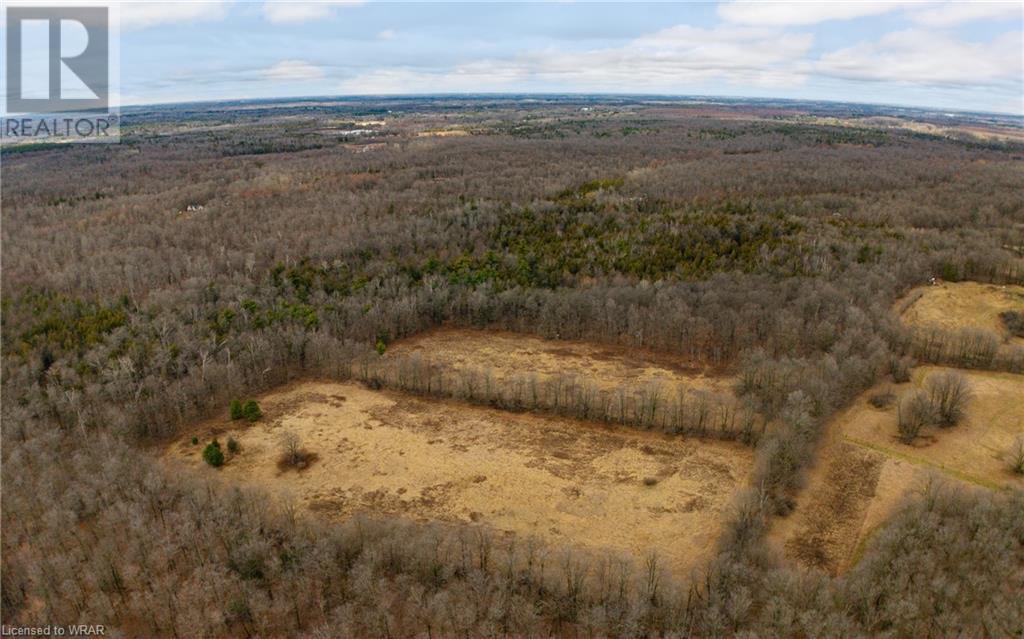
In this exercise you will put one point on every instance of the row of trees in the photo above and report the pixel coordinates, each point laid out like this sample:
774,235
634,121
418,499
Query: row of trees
669,407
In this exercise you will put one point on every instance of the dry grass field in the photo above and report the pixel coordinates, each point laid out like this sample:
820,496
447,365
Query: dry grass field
956,305
567,482
863,471
506,354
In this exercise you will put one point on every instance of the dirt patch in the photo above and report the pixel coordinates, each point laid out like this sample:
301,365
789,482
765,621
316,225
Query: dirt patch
565,481
864,472
951,306
507,354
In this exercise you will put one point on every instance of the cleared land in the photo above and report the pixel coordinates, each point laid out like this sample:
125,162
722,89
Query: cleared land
956,305
564,481
864,471
507,354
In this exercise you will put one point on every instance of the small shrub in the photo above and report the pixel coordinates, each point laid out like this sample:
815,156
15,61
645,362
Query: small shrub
913,414
650,481
251,411
900,368
235,409
195,441
293,456
233,446
882,399
1014,322
213,455
381,347
1017,456
949,394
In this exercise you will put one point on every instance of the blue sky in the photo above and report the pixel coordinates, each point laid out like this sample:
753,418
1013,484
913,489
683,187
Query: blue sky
947,55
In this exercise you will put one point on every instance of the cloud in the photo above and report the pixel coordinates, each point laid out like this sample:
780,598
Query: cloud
292,71
917,56
279,12
669,60
143,15
780,14
954,13
386,34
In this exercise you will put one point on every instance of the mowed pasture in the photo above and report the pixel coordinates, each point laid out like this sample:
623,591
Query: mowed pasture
566,482
954,306
863,470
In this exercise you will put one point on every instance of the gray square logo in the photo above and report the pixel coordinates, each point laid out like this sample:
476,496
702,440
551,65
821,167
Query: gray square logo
90,65
58,74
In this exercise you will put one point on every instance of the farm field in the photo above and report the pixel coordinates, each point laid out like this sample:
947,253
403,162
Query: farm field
958,305
567,482
863,471
507,354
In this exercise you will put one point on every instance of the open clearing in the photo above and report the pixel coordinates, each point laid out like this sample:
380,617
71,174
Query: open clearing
863,471
955,305
506,354
565,481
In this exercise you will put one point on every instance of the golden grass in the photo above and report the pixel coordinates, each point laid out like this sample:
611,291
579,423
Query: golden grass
951,306
564,481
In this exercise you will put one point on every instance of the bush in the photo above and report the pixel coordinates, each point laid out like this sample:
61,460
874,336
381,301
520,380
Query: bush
900,368
195,441
213,455
882,399
913,414
1014,321
1017,456
251,411
236,409
949,394
381,347
293,456
233,446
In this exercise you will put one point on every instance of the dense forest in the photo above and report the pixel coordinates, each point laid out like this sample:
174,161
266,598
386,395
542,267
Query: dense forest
215,253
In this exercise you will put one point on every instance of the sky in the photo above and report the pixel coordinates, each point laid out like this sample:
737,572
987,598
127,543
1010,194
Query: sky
947,55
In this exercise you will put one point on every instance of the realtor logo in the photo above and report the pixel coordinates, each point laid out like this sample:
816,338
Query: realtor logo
58,74
51,78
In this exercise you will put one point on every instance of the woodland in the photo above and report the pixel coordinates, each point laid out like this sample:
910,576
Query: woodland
219,252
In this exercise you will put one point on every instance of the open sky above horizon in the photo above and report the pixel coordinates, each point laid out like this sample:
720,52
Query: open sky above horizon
953,55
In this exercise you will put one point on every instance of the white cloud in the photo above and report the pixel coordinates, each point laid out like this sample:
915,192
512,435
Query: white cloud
928,57
292,71
779,14
142,15
280,12
386,34
668,60
954,13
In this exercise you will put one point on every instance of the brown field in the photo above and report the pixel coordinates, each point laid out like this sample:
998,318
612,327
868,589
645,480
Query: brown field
507,354
564,481
957,305
863,471
443,133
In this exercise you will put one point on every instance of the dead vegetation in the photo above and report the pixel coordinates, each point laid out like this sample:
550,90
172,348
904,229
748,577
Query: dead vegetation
770,252
965,324
876,457
954,306
575,379
293,455
571,483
